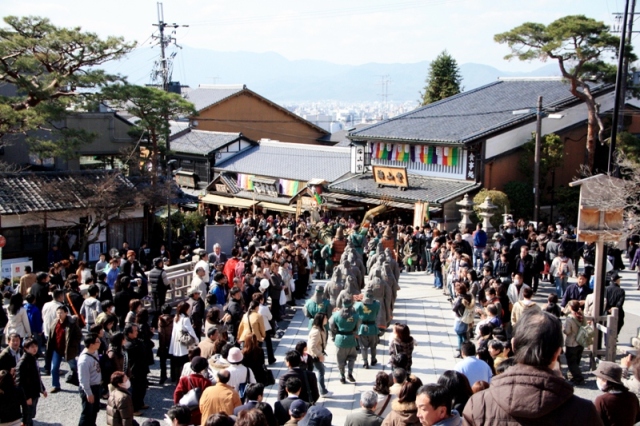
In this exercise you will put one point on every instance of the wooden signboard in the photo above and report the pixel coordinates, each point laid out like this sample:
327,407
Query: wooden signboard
391,176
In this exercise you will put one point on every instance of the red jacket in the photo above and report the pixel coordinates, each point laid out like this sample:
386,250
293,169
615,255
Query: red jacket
230,270
198,381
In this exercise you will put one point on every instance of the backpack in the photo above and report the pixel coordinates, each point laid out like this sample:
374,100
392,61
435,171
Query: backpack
585,334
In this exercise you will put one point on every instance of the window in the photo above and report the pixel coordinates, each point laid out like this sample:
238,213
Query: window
131,231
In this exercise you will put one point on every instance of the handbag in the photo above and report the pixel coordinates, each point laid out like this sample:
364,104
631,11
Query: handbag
460,327
268,376
243,386
186,338
191,399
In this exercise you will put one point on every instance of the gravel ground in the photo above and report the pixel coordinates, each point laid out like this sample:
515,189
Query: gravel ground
63,408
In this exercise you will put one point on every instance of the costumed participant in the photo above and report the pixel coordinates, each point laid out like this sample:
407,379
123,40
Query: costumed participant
333,289
344,325
317,304
368,310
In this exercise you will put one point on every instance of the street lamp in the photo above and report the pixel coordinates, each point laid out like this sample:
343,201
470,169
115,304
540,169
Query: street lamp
536,157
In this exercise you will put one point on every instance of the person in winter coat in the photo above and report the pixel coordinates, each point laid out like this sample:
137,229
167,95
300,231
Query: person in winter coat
139,366
532,392
573,351
196,310
40,289
316,346
18,318
165,328
434,406
64,343
523,305
234,313
35,321
463,313
252,323
196,379
12,400
120,404
91,307
28,380
180,352
404,410
402,343
616,405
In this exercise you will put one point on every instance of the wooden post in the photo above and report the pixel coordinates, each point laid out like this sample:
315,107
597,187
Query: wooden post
597,290
612,334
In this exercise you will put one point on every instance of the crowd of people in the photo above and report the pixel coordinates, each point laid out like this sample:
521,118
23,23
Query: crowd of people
102,321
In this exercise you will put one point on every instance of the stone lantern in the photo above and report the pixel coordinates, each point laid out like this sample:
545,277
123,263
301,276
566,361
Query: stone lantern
486,212
466,208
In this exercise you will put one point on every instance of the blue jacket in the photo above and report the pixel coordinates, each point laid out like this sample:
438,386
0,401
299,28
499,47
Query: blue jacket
480,238
35,318
220,291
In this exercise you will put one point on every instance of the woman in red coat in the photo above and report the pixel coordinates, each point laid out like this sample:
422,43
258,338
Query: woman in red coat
199,366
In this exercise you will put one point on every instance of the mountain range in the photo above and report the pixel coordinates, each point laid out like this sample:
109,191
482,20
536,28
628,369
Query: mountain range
282,80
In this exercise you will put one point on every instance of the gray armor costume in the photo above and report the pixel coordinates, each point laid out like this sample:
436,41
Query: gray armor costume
381,292
333,288
395,268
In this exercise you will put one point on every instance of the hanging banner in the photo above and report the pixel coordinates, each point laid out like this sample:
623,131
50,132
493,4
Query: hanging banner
424,154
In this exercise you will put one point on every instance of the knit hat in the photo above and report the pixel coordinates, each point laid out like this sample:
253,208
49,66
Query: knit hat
198,364
157,260
319,289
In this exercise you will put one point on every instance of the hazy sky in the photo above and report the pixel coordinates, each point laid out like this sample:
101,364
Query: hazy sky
348,32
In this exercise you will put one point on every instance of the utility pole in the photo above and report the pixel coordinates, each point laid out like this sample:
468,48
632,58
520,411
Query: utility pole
619,82
536,162
625,67
165,69
165,75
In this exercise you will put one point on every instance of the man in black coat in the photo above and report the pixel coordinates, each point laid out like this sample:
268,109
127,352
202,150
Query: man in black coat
309,392
523,263
234,310
104,291
293,387
40,289
139,367
197,311
275,288
28,379
159,283
254,393
11,354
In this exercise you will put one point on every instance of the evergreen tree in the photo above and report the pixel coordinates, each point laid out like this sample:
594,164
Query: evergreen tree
444,79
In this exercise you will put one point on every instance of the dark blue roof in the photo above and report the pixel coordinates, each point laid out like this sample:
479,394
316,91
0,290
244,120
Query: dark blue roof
474,114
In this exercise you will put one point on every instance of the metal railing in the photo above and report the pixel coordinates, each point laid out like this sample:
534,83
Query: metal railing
179,277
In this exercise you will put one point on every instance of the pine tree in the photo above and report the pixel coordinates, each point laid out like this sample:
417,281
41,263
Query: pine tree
444,79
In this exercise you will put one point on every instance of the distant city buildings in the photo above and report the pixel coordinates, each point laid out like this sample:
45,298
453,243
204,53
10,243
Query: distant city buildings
334,116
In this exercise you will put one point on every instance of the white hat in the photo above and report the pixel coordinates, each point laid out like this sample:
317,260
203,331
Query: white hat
264,284
235,356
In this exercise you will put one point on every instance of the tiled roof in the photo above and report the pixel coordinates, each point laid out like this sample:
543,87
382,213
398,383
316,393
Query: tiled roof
290,161
207,95
48,191
473,114
202,142
421,188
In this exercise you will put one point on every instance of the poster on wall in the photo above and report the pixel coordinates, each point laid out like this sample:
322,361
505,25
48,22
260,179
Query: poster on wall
17,270
94,252
8,263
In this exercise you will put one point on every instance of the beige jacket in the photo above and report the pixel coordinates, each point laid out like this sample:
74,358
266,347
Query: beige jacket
256,327
570,330
520,308
317,340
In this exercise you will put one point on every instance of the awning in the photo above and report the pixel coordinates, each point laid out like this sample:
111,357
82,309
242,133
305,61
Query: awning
374,201
227,201
277,207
